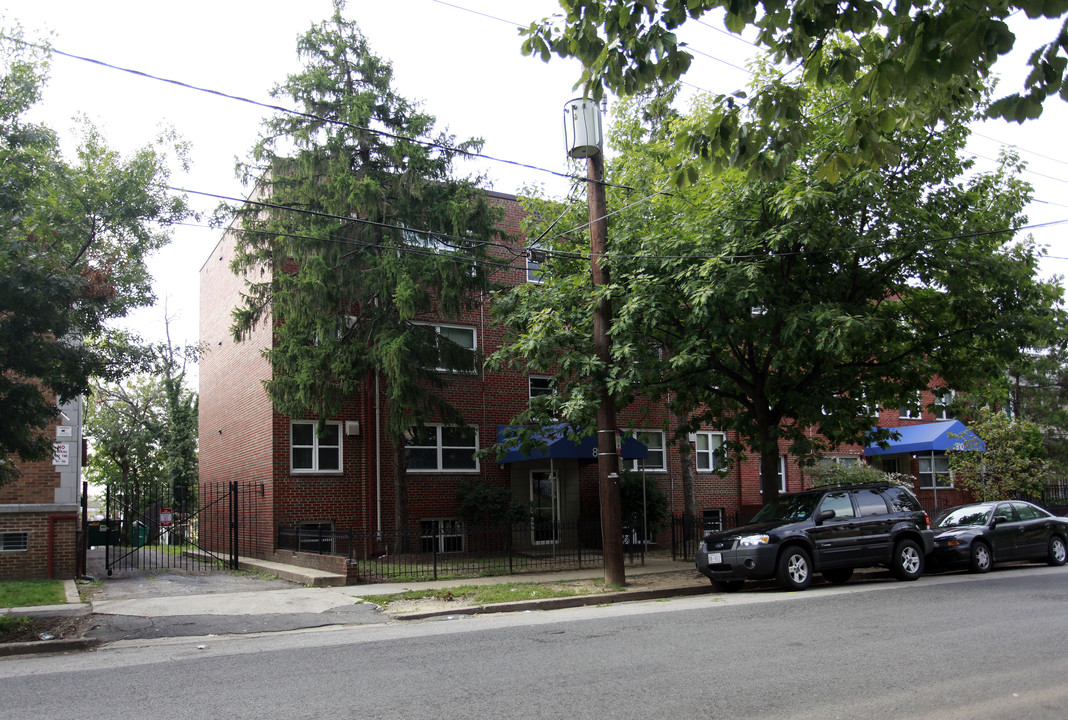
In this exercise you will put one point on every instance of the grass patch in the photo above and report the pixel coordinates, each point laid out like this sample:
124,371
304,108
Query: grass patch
488,594
10,625
28,593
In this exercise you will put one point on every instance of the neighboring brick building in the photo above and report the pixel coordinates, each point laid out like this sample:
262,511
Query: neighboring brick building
39,510
345,481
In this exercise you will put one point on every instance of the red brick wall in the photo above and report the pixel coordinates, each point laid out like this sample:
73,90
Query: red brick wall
51,546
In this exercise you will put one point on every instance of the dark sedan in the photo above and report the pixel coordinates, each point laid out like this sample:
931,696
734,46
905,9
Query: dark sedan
981,534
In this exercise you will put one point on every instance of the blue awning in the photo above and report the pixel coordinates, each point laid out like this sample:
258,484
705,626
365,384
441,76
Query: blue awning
937,437
551,441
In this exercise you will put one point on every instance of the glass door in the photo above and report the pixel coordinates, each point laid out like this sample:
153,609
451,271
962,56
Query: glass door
545,502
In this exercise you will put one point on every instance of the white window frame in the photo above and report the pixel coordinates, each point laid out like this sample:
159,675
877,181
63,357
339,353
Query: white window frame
841,460
474,346
535,272
912,410
935,477
782,474
440,448
316,447
442,534
642,435
943,398
15,541
715,460
549,387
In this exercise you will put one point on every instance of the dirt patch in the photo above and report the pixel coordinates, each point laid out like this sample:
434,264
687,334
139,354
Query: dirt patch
53,628
447,599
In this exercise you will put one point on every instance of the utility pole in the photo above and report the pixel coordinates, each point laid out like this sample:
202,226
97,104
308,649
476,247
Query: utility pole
586,141
607,457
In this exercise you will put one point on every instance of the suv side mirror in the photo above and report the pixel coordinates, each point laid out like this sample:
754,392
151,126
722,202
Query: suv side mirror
824,515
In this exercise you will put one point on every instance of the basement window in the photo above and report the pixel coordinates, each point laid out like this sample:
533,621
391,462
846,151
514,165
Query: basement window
14,542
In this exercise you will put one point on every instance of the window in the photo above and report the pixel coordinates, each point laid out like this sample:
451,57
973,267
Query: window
654,440
782,473
443,536
911,409
315,537
708,450
838,500
14,541
311,452
934,472
535,273
712,520
840,460
440,448
902,500
457,348
869,502
943,399
540,385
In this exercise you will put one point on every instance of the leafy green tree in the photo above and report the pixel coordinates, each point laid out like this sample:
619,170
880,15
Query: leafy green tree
368,237
860,474
1013,462
74,237
915,63
644,504
789,310
126,421
485,504
1038,392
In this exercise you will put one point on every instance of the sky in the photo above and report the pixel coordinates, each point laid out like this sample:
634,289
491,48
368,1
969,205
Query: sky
461,58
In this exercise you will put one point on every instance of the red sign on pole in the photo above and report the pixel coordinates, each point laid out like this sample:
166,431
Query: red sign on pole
166,517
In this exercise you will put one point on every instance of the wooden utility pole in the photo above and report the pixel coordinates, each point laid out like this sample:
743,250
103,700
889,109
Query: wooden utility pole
607,458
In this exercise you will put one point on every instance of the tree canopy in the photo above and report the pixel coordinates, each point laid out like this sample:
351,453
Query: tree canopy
74,238
929,52
1013,459
790,309
369,236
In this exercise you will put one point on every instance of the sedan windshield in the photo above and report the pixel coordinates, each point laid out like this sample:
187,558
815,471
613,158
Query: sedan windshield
965,516
788,507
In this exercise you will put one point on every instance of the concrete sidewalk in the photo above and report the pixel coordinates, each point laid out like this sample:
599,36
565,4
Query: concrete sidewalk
323,596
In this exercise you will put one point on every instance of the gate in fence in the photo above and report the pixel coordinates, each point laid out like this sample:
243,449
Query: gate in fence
153,527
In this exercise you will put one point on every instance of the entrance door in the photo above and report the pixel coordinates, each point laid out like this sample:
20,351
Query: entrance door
545,501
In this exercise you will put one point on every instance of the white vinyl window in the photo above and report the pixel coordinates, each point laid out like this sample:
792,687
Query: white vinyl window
535,273
464,336
439,448
708,451
782,473
311,452
943,398
654,440
540,385
911,410
840,460
934,472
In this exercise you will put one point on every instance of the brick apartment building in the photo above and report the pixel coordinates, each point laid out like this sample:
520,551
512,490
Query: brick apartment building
345,480
39,510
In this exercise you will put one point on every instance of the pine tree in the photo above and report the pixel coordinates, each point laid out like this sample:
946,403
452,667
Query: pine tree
368,237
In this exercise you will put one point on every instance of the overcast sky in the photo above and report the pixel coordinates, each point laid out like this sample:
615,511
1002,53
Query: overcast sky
460,57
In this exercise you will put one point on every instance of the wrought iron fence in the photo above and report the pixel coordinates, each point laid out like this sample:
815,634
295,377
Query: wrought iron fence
443,549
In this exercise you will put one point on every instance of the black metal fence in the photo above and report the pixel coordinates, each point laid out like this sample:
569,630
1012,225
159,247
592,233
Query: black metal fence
444,549
149,526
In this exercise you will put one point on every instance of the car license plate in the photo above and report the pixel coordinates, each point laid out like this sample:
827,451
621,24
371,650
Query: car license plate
715,558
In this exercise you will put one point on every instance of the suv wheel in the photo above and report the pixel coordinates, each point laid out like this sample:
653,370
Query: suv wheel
795,569
907,562
980,560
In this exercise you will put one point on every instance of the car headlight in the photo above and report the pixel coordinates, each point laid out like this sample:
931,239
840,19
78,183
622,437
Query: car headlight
751,540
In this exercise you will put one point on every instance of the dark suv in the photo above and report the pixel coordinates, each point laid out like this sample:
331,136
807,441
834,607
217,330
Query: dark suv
828,530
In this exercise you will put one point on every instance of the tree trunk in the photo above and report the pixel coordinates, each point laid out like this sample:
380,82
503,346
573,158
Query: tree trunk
689,496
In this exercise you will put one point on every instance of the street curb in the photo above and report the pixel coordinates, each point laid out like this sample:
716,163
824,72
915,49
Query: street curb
561,603
37,647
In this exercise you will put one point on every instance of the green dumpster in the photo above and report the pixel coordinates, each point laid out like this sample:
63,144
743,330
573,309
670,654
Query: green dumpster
139,534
